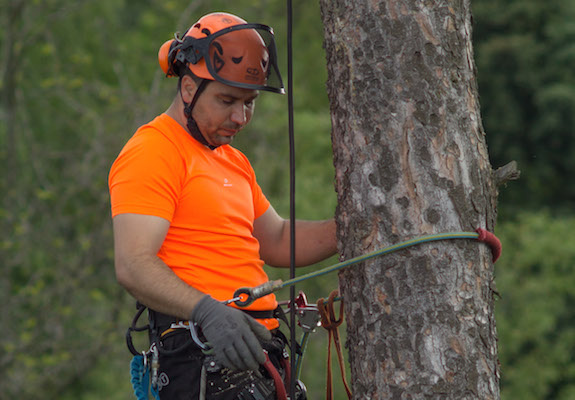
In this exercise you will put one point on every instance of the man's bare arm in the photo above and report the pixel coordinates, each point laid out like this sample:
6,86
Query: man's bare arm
137,239
315,240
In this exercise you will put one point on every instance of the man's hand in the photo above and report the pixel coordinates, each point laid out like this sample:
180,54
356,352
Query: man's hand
232,334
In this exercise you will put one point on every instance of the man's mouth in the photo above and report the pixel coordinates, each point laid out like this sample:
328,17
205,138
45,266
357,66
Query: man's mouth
230,131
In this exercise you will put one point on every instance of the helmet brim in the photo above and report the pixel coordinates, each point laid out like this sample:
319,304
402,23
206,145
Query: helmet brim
243,56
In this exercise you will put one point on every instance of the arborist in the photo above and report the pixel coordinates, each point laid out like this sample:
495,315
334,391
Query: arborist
191,224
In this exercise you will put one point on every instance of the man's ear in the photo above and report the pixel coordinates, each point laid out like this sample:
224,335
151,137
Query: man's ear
188,88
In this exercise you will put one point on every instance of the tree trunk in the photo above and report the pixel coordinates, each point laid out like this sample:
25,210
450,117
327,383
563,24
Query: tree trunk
411,159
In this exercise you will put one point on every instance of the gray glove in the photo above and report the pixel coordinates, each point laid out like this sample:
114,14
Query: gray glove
232,334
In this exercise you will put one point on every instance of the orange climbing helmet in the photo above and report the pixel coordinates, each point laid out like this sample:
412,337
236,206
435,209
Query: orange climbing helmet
225,48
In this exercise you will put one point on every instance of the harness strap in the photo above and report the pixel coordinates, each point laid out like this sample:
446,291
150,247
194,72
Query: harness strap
281,393
331,324
203,382
135,328
287,368
164,321
191,122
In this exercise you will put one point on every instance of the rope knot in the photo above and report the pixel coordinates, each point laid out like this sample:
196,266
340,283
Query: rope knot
327,312
331,324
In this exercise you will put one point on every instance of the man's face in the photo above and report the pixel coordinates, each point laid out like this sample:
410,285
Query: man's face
222,111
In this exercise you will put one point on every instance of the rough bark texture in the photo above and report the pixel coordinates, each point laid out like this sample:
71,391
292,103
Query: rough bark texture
411,159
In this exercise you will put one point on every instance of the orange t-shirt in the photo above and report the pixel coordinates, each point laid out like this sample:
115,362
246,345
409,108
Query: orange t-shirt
211,199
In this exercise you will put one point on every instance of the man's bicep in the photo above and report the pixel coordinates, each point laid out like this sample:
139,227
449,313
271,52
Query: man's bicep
137,240
137,234
270,230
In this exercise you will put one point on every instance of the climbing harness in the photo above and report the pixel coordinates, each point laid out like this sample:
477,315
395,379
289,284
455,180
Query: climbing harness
249,295
144,366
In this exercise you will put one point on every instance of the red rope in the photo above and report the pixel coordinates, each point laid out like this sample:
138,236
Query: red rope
279,384
331,324
491,240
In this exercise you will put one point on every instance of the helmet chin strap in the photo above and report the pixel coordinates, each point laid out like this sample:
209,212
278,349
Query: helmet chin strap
191,123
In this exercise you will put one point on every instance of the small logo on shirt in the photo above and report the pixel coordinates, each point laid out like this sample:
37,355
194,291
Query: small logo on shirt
227,183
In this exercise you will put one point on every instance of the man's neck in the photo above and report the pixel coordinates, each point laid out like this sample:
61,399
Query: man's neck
176,111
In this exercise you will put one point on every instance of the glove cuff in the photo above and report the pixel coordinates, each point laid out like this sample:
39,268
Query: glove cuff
203,306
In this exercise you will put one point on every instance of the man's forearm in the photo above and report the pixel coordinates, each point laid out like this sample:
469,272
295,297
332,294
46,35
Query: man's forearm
155,285
315,241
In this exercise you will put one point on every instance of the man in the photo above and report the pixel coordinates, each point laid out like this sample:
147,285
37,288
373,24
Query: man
191,224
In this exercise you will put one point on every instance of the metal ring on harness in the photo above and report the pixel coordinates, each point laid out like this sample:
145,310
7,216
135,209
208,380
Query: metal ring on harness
244,292
252,294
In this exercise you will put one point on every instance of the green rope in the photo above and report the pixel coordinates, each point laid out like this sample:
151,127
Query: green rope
299,357
243,297
385,250
355,260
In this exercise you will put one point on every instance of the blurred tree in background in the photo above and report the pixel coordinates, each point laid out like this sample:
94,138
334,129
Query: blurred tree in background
525,52
535,315
79,77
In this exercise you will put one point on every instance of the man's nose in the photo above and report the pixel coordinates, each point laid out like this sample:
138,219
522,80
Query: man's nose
240,114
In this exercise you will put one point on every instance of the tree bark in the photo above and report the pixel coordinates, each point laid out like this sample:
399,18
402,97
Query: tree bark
411,159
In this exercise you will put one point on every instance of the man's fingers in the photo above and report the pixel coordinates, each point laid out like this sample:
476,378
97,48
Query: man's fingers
235,336
250,350
261,332
229,358
253,346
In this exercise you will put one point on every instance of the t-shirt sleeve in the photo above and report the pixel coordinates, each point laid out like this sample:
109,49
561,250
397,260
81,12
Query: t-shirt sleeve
261,203
144,179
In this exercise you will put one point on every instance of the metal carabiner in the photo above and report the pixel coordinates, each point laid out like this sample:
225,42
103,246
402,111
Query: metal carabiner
189,325
206,349
154,365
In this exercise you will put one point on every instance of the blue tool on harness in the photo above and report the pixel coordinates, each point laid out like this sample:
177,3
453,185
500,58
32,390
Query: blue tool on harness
140,378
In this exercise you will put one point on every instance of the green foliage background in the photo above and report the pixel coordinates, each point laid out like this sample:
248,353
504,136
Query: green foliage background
79,77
